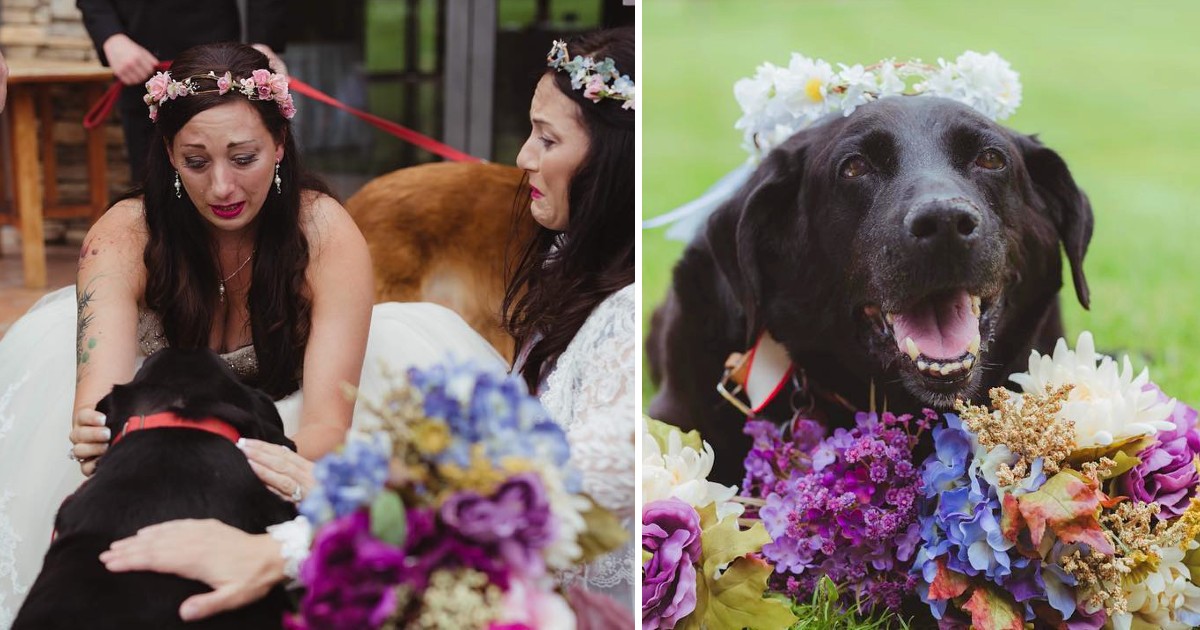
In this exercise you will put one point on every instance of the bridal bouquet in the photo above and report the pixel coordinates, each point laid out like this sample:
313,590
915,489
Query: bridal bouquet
1072,504
699,568
454,514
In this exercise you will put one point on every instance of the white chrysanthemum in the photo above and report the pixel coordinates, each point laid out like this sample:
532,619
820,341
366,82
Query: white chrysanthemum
682,472
1165,599
1107,403
984,82
564,552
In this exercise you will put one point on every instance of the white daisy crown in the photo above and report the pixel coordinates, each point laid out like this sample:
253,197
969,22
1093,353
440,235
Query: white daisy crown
779,101
598,80
261,85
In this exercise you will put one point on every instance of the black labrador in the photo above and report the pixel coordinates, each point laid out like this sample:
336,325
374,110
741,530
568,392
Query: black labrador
153,475
913,245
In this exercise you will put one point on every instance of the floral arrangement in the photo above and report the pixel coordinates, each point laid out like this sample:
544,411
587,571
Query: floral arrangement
261,85
779,101
455,513
597,79
1071,504
698,564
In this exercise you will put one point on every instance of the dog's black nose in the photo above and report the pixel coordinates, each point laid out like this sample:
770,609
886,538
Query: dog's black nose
950,220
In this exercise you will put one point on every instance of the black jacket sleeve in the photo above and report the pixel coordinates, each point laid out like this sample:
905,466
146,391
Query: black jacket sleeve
101,20
266,23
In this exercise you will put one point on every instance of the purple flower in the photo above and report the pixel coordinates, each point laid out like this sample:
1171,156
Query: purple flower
1167,474
846,508
351,577
671,535
515,520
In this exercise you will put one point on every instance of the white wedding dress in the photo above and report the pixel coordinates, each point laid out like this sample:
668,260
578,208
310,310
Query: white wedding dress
590,392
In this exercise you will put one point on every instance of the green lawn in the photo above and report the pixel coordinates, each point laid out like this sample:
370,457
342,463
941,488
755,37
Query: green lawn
1114,87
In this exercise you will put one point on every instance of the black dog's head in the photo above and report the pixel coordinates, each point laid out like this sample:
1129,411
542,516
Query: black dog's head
194,384
914,240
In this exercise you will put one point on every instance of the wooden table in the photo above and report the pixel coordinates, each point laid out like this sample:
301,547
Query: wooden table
29,103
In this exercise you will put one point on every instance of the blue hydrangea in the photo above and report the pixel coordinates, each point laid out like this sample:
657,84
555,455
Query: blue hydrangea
492,409
349,478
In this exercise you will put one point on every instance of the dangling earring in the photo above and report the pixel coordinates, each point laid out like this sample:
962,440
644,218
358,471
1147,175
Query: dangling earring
178,186
278,182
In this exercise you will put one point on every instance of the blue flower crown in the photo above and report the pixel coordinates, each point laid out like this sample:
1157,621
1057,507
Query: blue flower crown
597,80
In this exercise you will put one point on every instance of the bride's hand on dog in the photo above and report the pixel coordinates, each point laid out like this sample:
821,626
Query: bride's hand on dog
89,438
240,567
281,469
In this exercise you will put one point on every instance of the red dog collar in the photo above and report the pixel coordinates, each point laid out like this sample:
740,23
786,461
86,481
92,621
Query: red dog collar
169,419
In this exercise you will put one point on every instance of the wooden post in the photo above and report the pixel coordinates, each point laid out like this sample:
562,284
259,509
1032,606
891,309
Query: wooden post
27,184
46,132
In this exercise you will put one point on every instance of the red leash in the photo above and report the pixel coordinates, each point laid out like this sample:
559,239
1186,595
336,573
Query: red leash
400,131
102,109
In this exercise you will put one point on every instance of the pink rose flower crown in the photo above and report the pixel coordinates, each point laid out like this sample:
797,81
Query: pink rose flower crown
261,85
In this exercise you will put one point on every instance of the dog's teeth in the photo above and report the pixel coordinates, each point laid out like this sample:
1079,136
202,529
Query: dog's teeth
973,347
951,368
911,346
891,319
923,366
975,305
968,362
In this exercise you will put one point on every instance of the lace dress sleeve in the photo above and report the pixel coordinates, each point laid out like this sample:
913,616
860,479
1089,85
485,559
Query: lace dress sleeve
591,392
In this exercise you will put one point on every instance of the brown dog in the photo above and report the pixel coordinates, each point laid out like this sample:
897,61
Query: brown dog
442,233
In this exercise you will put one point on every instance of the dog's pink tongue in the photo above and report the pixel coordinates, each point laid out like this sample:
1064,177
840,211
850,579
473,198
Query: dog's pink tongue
942,326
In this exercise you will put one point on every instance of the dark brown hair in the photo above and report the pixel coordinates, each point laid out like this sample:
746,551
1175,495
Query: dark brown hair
181,258
560,278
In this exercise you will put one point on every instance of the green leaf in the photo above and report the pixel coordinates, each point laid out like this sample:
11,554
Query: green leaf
1069,505
661,432
603,533
993,610
388,522
736,598
724,541
1129,446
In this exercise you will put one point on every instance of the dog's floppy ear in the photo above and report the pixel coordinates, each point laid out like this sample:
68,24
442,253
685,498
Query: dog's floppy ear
1068,206
741,231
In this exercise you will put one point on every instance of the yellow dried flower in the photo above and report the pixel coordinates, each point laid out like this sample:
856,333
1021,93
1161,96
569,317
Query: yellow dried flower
460,598
1028,425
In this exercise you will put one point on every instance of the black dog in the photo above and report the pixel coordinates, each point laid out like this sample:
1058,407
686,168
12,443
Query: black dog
153,475
913,245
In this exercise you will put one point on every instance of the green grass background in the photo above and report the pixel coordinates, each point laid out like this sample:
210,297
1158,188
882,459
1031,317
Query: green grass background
1114,87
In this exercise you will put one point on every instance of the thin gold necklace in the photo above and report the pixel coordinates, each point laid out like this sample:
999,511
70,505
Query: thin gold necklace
221,284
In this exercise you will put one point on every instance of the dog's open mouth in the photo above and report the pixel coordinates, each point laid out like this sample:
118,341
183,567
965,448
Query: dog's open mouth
939,334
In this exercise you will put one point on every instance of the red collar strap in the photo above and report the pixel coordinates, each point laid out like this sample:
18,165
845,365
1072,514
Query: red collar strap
168,419
765,371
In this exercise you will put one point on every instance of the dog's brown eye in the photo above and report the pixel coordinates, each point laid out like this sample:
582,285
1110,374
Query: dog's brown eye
856,166
991,160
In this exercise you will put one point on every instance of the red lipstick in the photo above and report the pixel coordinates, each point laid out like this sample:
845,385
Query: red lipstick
228,212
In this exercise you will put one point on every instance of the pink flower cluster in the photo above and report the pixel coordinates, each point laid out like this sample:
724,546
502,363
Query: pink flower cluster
261,85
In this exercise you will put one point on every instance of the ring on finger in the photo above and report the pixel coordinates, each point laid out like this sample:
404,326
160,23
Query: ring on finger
297,493
71,454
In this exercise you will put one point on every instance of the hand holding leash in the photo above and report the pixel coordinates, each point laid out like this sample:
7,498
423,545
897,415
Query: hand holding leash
282,470
89,439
